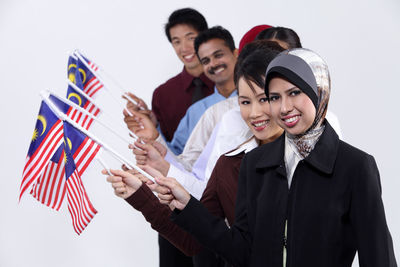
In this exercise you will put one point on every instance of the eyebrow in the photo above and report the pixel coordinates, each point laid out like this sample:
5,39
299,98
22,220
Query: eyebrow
218,51
190,33
287,90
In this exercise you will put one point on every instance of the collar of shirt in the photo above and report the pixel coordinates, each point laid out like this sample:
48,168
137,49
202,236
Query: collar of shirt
187,79
246,147
217,94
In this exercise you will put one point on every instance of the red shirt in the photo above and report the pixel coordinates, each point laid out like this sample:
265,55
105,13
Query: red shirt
172,99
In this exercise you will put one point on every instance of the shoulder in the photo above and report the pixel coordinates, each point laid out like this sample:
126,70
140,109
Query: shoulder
226,163
353,154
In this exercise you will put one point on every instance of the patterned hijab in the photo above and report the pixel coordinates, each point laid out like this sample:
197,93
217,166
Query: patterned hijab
309,72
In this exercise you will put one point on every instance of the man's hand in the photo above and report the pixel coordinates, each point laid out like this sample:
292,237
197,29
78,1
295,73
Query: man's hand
139,107
141,125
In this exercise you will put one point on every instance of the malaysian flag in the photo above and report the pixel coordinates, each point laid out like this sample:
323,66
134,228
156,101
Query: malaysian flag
80,150
46,139
84,120
84,77
50,188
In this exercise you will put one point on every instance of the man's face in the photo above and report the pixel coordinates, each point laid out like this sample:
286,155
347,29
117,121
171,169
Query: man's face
218,60
182,39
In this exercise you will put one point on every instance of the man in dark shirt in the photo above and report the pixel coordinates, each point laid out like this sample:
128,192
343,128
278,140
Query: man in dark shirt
172,99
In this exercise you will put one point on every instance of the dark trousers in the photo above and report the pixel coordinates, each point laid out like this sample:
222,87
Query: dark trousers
170,256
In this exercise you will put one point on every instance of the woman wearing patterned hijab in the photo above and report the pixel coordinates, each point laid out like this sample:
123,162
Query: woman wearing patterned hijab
307,199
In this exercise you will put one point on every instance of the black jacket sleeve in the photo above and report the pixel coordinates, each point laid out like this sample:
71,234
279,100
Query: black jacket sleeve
233,244
374,243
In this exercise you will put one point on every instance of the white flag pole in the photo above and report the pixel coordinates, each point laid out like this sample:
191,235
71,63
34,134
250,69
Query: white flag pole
99,159
62,116
100,79
133,135
123,91
84,111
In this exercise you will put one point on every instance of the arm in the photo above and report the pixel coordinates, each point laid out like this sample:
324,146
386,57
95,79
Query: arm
234,243
129,187
374,242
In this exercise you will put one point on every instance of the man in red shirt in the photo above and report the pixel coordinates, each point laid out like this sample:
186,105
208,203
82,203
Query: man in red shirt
172,98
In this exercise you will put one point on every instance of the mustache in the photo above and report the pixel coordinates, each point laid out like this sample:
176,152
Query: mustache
213,69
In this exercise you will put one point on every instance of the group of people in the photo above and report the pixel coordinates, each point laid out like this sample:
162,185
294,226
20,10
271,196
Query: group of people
248,162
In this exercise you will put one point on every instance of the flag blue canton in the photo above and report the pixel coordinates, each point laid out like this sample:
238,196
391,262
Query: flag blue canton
73,139
45,122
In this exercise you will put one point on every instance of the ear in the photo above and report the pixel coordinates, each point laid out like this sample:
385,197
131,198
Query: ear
236,52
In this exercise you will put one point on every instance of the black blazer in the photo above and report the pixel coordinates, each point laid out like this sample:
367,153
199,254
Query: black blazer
333,209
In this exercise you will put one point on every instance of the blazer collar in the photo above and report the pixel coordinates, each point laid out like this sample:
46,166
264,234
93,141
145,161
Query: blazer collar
324,154
322,157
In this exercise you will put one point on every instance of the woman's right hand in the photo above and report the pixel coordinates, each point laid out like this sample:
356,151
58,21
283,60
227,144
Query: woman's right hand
172,192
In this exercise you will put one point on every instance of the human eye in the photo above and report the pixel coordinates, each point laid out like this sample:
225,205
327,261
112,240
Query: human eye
263,99
204,61
245,102
175,42
219,55
295,92
273,98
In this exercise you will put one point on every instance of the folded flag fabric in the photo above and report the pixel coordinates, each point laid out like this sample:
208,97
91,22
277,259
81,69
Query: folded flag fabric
47,138
80,150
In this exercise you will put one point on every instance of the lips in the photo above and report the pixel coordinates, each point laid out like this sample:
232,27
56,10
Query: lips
260,125
291,121
217,69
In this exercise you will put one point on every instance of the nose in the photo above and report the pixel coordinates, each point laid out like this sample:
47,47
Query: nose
286,106
187,45
256,110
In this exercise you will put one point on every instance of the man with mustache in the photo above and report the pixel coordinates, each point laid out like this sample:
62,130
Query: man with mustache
216,51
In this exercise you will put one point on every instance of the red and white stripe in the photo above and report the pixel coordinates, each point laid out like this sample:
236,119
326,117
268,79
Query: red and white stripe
84,120
93,66
35,164
50,187
79,205
92,86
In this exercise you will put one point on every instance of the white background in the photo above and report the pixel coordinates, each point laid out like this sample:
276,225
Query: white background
359,39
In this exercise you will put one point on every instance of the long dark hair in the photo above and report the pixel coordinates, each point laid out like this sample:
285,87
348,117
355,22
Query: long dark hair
253,61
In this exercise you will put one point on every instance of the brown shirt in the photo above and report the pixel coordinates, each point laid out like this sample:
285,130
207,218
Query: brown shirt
172,99
219,198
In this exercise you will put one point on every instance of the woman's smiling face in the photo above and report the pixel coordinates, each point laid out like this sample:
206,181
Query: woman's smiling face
291,109
255,111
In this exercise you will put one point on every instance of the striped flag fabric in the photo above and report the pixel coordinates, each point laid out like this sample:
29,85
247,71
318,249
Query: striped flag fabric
80,150
47,138
84,77
50,188
84,120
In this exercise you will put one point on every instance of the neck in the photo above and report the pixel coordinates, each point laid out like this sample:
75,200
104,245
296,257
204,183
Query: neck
226,88
272,138
196,71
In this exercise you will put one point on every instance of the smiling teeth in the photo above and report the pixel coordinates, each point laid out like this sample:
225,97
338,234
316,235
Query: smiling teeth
292,119
260,123
219,70
188,57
